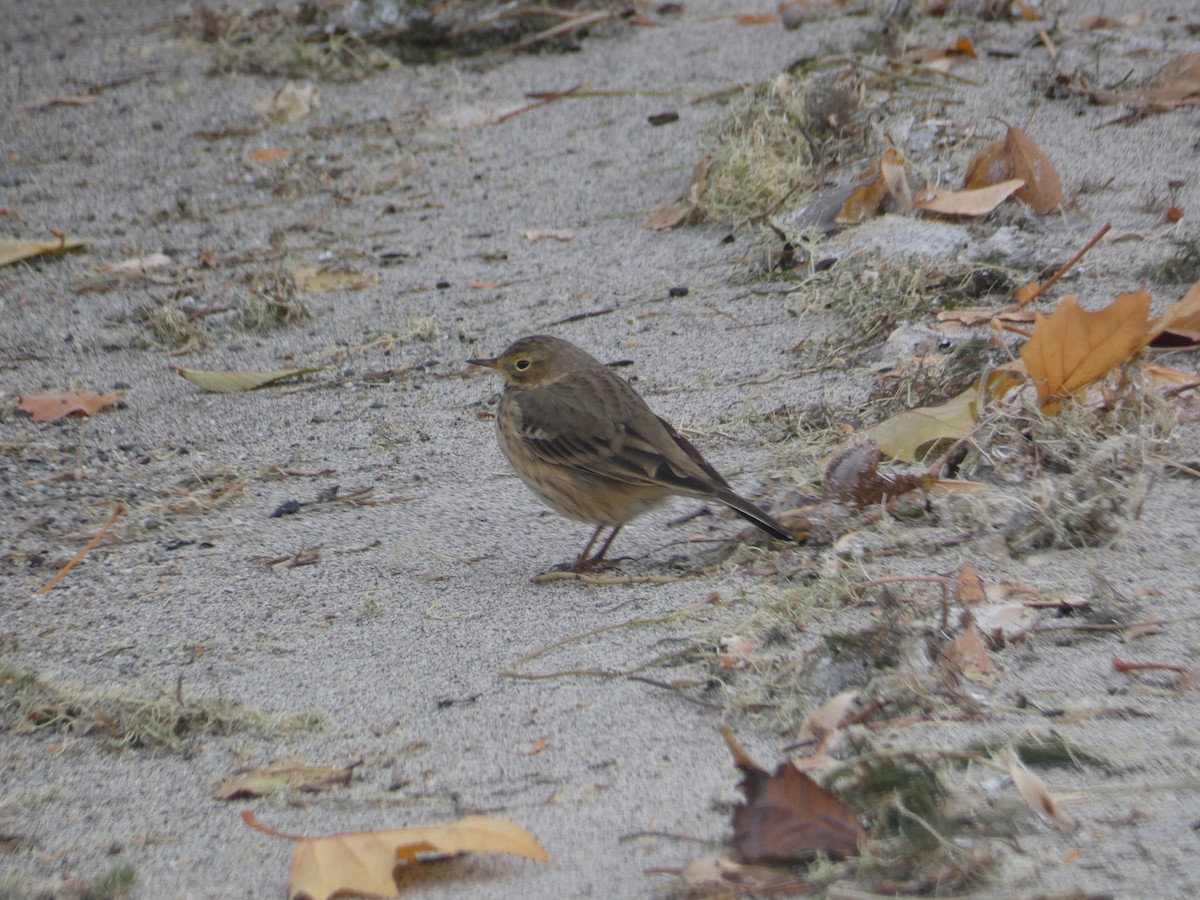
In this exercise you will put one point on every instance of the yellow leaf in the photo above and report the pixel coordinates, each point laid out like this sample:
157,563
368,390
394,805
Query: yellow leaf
16,251
903,436
1072,348
361,864
228,381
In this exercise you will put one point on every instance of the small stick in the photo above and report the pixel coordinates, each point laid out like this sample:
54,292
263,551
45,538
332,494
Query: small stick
1022,302
116,514
550,98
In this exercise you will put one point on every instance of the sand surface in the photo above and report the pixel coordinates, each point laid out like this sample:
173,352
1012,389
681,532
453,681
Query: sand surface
400,634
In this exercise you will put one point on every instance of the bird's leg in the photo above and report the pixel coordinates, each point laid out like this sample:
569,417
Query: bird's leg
581,561
595,561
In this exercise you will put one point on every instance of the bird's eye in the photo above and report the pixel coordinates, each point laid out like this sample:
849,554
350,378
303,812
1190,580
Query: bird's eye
522,365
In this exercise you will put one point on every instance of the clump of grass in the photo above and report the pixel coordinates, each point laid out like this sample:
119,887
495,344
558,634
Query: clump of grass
115,884
273,303
1087,462
126,720
170,325
771,142
285,42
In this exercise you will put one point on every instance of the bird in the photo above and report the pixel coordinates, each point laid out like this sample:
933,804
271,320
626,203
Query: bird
587,444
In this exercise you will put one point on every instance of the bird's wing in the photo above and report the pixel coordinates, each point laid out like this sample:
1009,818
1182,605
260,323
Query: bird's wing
601,425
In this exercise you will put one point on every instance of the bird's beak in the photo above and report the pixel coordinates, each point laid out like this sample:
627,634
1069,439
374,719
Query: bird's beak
493,363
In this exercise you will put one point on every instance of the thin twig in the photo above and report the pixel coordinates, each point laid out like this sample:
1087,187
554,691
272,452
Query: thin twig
1042,288
116,514
547,100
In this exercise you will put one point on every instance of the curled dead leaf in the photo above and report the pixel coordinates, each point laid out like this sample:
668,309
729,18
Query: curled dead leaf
1035,793
364,863
787,816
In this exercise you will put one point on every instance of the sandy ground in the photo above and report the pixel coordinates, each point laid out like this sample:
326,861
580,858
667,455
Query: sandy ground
398,636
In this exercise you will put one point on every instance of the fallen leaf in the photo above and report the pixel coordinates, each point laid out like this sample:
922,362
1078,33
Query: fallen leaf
536,747
1035,793
61,100
1175,85
968,586
224,382
821,725
974,316
852,477
736,651
1043,188
903,436
364,863
966,654
51,407
16,251
711,870
139,265
884,179
978,202
1071,348
1172,379
788,816
1110,23
280,776
310,279
1002,622
757,18
1019,157
686,208
1181,316
268,154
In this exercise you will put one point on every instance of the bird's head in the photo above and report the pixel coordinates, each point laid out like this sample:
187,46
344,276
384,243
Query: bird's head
535,360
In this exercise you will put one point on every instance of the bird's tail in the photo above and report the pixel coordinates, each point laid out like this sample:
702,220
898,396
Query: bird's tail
752,513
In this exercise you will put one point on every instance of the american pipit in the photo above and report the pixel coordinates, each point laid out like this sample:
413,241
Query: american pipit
588,445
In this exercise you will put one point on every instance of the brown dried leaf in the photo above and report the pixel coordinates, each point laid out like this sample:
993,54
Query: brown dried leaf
279,776
268,155
1181,316
788,816
966,654
975,316
1035,793
1110,23
51,407
1072,349
821,725
968,586
978,202
686,209
1017,156
991,165
1175,85
363,863
1043,188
